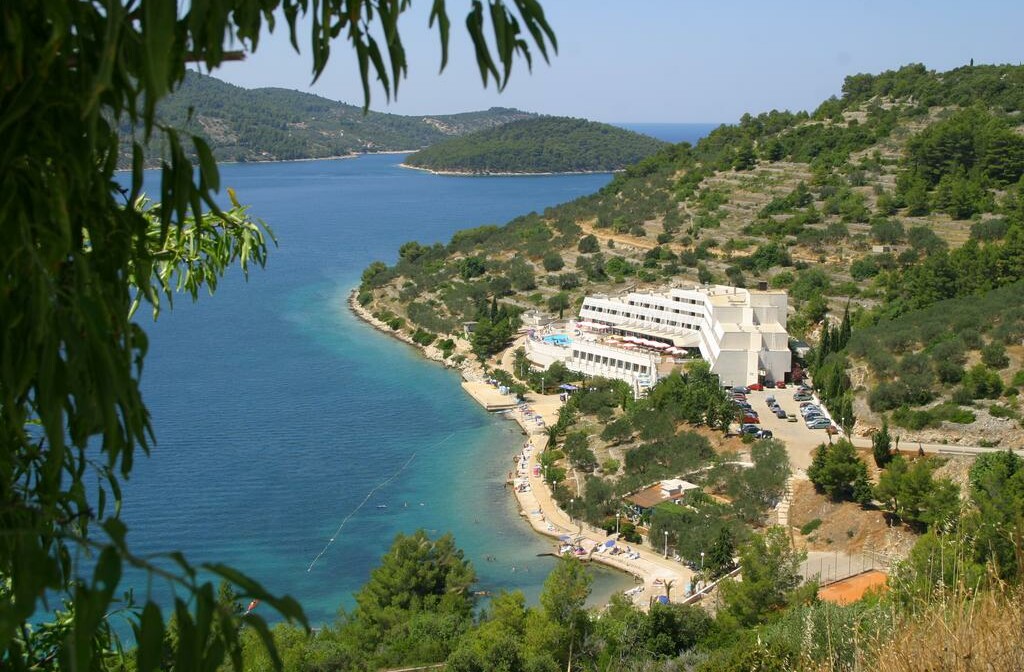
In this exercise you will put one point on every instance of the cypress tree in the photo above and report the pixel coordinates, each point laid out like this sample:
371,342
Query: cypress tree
845,329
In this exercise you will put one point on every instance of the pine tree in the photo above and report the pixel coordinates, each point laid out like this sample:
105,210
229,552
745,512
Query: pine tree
881,446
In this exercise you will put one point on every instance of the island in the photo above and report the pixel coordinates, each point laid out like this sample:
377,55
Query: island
536,146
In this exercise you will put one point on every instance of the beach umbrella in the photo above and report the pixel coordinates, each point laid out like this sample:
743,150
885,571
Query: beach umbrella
565,537
609,543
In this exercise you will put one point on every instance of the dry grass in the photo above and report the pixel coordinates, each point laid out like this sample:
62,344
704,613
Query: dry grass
984,633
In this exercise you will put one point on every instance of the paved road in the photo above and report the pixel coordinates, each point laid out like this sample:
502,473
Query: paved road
801,442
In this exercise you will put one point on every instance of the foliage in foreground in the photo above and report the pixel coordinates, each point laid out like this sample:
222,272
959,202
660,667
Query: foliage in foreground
77,255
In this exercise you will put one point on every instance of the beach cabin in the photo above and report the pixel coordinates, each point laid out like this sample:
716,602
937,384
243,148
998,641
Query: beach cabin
670,490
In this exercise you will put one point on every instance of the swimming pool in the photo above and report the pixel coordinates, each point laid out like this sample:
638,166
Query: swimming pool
558,339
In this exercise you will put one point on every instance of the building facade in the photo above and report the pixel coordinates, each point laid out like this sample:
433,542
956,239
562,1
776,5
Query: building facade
740,332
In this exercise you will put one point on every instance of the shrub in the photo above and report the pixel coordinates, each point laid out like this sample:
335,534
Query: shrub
422,337
982,383
1000,411
913,420
811,526
588,244
994,355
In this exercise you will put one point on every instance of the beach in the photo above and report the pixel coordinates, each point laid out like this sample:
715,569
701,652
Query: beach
656,575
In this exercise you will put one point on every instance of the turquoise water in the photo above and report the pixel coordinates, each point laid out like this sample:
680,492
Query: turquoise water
558,339
277,412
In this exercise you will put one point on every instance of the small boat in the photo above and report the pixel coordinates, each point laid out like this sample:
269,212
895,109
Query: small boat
382,506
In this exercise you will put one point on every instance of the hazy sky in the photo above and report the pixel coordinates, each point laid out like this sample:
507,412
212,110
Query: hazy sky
670,60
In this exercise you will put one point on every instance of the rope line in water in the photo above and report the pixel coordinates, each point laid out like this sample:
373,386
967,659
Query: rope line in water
354,511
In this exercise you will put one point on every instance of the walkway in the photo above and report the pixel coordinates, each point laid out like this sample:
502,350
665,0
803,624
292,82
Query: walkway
546,517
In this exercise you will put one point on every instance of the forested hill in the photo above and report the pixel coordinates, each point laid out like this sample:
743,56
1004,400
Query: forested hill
541,145
279,124
903,192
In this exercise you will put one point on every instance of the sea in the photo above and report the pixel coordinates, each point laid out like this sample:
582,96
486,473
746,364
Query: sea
294,442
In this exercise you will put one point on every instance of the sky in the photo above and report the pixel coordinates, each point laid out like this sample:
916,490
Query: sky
670,61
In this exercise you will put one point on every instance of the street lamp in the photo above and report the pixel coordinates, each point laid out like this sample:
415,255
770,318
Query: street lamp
702,561
617,514
666,544
571,503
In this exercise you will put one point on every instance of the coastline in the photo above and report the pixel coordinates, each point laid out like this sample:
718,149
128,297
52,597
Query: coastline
471,173
352,155
536,503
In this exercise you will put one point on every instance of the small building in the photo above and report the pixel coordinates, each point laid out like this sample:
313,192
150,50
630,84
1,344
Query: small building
536,319
669,490
468,328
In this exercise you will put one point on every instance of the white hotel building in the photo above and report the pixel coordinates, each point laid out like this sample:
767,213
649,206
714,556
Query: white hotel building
640,336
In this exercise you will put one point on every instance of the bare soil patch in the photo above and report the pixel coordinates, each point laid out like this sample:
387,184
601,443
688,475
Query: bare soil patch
846,527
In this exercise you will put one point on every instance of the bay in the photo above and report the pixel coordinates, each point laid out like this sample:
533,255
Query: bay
283,422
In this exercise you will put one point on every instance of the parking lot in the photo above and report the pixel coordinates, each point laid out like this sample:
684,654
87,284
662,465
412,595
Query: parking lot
799,440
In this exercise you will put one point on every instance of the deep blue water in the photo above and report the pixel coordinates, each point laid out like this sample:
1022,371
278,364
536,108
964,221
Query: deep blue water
690,133
277,412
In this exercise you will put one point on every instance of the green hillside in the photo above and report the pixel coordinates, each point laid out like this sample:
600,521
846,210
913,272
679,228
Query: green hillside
905,191
541,145
279,124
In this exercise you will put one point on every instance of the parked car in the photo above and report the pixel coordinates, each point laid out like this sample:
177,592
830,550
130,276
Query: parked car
749,429
751,419
764,434
791,417
781,414
781,385
819,423
756,386
740,389
802,396
770,400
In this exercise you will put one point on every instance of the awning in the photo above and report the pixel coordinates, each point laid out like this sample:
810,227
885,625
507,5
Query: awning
592,325
568,387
